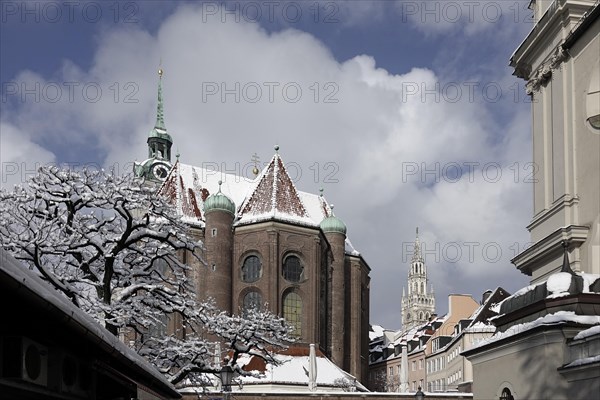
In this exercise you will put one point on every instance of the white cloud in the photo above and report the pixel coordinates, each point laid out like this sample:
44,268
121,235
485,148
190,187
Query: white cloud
443,17
356,129
19,156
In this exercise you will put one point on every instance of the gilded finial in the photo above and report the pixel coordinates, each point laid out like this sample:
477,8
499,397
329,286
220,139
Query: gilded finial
321,192
160,72
255,160
276,148
417,231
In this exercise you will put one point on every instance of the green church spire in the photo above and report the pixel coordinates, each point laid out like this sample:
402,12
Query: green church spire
159,141
160,115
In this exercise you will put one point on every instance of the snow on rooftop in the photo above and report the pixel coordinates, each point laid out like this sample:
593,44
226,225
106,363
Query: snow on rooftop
350,248
588,280
550,319
480,327
270,196
375,332
294,370
275,196
559,283
583,361
594,330
189,186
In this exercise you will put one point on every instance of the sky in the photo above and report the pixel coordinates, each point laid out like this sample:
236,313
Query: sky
406,113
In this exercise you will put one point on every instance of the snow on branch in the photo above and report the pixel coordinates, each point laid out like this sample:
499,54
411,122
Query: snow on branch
112,246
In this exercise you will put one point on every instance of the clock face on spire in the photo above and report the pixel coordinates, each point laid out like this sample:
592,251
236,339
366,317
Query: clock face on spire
160,172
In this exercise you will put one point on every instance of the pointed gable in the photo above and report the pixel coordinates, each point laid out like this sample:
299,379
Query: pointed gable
272,195
275,196
183,197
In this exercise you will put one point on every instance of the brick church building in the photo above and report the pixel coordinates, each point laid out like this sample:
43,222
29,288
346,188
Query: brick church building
269,244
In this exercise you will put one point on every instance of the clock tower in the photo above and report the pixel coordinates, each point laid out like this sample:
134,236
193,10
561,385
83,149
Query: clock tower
158,164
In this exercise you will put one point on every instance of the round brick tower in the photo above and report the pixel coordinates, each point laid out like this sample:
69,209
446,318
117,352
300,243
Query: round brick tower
219,211
335,232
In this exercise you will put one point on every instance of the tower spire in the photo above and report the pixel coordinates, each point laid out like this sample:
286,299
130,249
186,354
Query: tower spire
160,117
419,304
159,141
417,249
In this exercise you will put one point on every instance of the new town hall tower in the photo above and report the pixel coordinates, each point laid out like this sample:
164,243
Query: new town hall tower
419,304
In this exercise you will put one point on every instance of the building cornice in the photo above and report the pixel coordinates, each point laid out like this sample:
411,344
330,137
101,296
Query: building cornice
558,205
561,13
586,21
550,247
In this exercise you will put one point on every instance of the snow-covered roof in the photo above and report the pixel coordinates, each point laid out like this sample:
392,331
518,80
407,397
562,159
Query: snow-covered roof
350,248
559,284
594,330
272,195
290,375
294,370
11,269
275,196
390,339
557,318
583,361
375,332
480,327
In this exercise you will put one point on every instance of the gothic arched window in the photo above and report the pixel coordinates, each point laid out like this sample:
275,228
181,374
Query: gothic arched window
292,311
251,269
506,394
292,269
252,300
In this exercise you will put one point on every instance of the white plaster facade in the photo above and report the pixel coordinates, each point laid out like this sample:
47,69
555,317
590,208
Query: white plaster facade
531,358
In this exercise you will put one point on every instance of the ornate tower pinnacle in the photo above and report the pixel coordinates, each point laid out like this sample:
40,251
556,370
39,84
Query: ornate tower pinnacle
419,304
417,248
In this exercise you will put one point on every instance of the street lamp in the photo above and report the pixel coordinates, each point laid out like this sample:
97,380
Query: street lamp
226,375
419,395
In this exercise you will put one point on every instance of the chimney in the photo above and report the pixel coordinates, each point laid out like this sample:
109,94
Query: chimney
486,295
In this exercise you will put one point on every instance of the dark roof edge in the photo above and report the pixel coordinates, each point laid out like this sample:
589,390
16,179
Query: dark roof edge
586,21
10,269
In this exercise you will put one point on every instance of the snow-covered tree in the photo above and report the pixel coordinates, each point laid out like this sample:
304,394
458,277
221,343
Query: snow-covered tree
257,333
110,244
103,240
